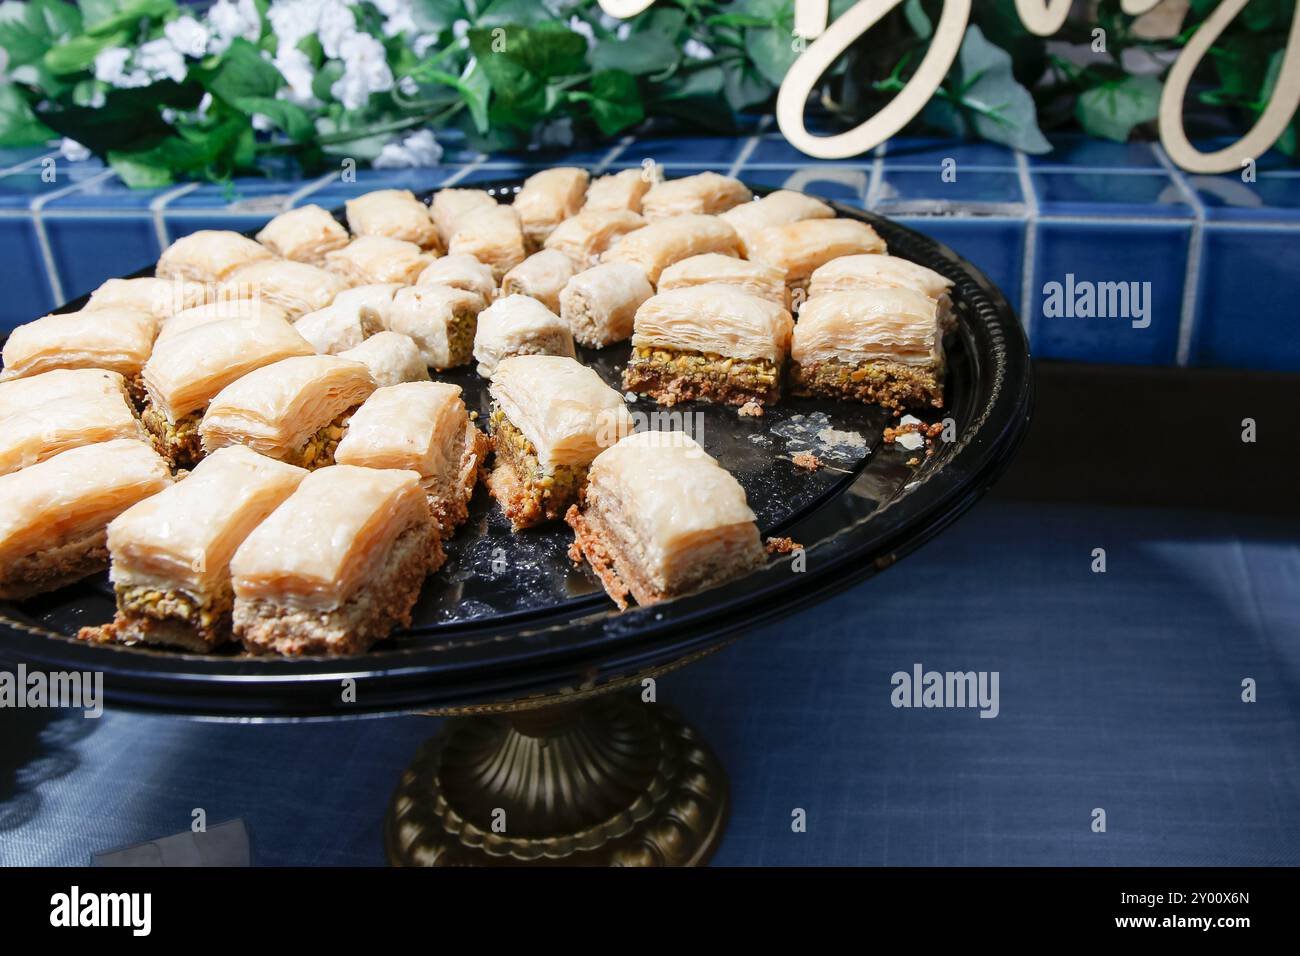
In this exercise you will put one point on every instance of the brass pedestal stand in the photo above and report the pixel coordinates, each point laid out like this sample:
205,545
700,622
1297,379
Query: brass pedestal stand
608,781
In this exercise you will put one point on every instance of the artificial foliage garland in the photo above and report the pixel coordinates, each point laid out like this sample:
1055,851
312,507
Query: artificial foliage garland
166,92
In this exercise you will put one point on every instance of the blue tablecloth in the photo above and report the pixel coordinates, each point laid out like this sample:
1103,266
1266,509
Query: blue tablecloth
1119,691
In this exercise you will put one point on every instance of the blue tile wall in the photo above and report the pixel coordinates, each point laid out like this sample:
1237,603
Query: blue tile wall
1221,253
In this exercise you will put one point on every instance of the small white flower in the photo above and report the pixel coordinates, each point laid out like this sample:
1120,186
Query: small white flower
415,150
365,71
398,17
624,31
295,67
336,24
421,44
73,151
205,104
696,50
161,60
111,68
169,115
260,123
407,86
459,29
188,36
583,29
228,20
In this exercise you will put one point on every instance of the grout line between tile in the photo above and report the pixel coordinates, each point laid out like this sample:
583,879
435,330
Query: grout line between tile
1030,259
613,154
1192,277
872,197
43,239
157,207
303,192
746,151
19,167
461,173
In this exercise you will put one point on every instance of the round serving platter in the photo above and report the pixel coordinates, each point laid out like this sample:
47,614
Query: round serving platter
510,616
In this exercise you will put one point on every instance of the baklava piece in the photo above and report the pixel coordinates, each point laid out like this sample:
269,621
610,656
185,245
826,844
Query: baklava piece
118,340
422,427
187,369
451,206
294,287
171,552
461,272
394,213
519,325
754,278
800,247
709,342
337,566
441,319
392,358
494,236
370,260
878,346
294,410
349,320
588,234
618,192
541,276
550,417
660,518
775,209
161,298
54,515
704,193
209,256
599,305
547,199
305,234
253,309
657,246
50,413
849,273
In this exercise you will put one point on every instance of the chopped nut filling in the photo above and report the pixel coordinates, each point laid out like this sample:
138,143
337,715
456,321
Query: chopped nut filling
672,375
178,441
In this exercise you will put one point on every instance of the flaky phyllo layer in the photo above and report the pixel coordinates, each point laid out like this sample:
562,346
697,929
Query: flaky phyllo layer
289,410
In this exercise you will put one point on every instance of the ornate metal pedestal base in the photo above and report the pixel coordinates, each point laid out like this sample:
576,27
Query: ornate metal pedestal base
608,782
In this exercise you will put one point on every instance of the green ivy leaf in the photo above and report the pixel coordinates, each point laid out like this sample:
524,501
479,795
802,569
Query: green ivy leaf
615,101
78,54
1112,109
772,51
18,124
745,87
140,173
997,107
243,72
108,16
292,119
650,53
29,29
434,16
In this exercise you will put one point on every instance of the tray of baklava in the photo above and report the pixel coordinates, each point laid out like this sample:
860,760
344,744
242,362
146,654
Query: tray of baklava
510,411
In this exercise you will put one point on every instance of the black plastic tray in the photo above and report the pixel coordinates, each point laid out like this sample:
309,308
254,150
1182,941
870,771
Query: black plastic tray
509,615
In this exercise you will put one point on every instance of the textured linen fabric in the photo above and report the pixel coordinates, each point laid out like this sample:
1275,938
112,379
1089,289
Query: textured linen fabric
1120,691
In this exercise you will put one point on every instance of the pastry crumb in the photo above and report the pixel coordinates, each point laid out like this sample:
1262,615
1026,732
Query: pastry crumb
750,410
911,433
781,545
913,461
806,461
